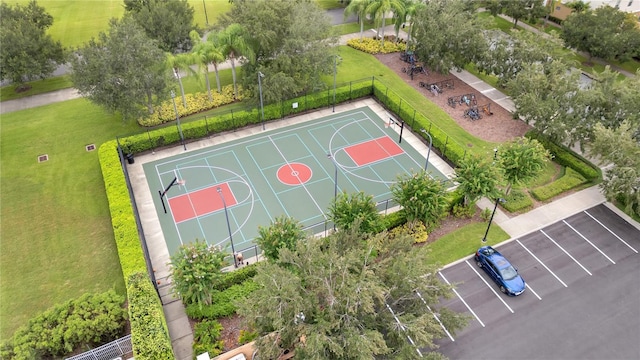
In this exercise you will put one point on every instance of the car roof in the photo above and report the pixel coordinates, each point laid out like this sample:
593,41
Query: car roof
496,258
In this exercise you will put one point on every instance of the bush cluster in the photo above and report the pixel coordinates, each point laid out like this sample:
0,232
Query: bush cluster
88,321
374,46
517,200
236,277
564,156
568,181
149,333
197,102
206,338
223,302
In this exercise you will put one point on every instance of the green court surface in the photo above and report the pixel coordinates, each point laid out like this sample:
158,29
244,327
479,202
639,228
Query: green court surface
284,171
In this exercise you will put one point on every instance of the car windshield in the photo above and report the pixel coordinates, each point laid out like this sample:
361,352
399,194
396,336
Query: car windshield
508,273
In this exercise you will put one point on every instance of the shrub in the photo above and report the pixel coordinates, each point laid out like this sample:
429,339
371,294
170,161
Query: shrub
149,333
567,157
568,181
247,336
357,208
392,220
222,302
517,200
415,229
373,46
283,232
206,338
461,211
235,277
88,321
485,214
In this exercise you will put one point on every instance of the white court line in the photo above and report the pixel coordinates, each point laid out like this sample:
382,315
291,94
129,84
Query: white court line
461,299
612,233
435,316
534,293
541,263
489,286
565,251
587,240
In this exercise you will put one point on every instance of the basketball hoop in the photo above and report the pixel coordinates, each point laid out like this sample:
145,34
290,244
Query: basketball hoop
387,124
181,182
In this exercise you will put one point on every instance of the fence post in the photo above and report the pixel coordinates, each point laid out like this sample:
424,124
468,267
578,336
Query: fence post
150,142
206,125
413,121
446,141
350,90
400,108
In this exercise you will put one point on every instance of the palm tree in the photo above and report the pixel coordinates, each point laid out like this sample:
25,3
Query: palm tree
378,10
204,53
411,8
177,62
233,45
359,8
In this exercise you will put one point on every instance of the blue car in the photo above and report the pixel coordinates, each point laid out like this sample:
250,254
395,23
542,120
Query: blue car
500,270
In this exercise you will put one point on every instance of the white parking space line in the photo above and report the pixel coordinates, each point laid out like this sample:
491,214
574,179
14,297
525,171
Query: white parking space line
435,316
404,329
461,299
534,293
612,233
489,286
587,240
565,251
541,263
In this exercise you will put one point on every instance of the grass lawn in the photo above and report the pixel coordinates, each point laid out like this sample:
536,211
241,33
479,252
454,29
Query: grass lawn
37,87
57,240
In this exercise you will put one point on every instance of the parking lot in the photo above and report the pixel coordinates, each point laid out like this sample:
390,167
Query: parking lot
582,298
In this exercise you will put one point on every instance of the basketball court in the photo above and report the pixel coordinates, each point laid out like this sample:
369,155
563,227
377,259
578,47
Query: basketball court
226,191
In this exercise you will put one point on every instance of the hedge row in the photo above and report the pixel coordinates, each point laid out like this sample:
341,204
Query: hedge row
145,312
568,181
222,303
149,333
236,277
374,46
567,157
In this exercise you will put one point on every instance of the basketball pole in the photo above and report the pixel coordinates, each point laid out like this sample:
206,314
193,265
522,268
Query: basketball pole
401,124
163,193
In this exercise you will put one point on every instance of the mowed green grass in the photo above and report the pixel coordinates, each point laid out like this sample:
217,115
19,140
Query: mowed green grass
56,235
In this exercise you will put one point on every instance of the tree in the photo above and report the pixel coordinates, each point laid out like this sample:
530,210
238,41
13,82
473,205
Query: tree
195,268
511,54
578,6
177,62
605,32
476,177
233,44
27,52
523,9
348,210
446,36
549,98
205,53
421,198
378,9
620,147
328,299
284,232
359,8
292,42
167,21
122,71
521,160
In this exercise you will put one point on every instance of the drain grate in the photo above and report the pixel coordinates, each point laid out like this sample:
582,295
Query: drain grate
43,158
90,147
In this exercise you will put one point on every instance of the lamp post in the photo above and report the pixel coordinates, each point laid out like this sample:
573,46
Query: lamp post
206,18
260,76
335,72
335,181
175,108
430,144
226,214
498,200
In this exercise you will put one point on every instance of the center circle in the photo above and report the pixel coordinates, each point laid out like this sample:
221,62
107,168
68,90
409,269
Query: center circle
294,174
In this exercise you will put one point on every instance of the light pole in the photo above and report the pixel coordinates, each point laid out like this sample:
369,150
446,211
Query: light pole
335,181
175,108
430,144
498,200
206,18
226,214
335,72
260,76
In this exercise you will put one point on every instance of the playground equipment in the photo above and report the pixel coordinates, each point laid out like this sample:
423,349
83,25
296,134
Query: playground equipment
467,99
408,57
438,87
486,109
415,69
473,113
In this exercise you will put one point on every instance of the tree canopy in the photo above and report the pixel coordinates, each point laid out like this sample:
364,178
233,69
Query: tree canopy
523,9
605,32
292,43
122,71
27,51
330,299
520,160
447,36
167,21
